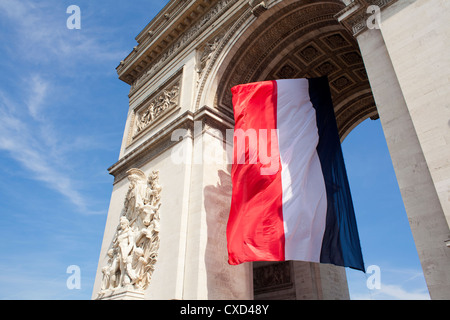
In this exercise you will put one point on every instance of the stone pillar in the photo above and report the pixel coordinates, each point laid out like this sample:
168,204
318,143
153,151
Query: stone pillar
208,274
417,38
425,213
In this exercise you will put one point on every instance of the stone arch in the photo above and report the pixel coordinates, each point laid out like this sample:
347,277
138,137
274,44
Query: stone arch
293,39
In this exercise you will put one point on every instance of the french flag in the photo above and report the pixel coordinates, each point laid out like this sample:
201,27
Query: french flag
291,198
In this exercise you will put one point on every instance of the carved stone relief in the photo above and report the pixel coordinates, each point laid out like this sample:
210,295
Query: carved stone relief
134,249
205,53
154,109
258,7
272,277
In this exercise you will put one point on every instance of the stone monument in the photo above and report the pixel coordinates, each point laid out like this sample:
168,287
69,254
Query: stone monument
168,241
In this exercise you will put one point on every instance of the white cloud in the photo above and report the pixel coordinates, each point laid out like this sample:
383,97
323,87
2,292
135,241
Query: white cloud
392,292
37,95
24,134
396,284
30,129
42,35
396,292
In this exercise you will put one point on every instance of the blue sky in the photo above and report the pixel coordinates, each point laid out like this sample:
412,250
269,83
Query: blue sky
62,115
384,231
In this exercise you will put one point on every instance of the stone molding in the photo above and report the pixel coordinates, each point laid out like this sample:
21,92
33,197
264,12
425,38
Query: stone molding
354,16
162,139
223,43
146,60
124,294
258,7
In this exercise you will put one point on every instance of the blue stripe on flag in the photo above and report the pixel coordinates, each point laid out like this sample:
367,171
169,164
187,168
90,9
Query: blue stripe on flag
341,244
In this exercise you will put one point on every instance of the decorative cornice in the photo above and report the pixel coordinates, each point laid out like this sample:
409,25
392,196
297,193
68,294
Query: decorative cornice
155,35
189,20
152,147
162,140
354,16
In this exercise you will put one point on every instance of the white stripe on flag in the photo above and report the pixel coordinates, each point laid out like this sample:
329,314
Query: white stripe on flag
303,186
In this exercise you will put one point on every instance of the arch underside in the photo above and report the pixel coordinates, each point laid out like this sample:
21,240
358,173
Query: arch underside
296,40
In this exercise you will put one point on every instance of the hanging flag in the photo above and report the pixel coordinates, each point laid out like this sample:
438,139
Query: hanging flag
291,198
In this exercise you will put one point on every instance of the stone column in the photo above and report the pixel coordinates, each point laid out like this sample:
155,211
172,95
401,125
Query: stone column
417,38
208,274
425,213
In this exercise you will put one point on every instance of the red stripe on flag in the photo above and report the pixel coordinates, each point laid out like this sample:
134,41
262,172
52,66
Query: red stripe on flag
255,226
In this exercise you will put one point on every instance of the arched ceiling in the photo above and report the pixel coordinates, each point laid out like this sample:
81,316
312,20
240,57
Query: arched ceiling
303,39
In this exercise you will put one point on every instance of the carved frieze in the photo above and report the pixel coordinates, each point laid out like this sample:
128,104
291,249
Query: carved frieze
156,108
166,100
272,277
134,249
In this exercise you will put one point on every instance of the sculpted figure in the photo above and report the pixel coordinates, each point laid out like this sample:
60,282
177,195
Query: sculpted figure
135,264
109,271
125,243
207,53
135,197
134,250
